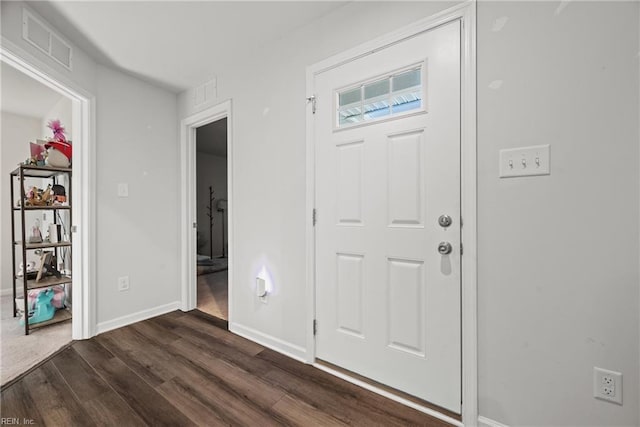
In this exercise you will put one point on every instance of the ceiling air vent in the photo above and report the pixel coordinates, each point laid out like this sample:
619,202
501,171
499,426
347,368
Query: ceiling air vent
41,36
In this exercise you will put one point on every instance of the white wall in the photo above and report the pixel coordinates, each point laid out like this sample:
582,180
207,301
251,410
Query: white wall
551,249
61,110
16,132
210,171
138,235
558,255
136,143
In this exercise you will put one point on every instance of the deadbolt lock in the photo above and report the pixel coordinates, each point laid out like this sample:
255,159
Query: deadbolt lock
445,221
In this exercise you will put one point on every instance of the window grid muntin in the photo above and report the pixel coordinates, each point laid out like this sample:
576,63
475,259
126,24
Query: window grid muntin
360,110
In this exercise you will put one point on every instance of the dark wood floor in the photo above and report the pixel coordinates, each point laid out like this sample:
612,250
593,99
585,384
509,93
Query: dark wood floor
186,369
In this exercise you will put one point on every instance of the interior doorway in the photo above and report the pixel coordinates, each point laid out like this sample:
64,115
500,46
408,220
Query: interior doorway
33,89
212,218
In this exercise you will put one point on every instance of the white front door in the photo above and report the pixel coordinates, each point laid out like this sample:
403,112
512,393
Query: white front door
387,141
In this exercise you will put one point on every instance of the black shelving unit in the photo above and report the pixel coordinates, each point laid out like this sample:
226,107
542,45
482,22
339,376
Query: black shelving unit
20,173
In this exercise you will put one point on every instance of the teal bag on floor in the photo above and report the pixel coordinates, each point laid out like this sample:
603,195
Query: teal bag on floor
43,309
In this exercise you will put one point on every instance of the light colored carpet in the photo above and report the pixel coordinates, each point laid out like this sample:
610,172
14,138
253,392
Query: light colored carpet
213,294
19,352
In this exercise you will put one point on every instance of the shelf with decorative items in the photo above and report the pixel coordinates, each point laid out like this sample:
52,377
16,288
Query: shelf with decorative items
43,208
44,245
45,270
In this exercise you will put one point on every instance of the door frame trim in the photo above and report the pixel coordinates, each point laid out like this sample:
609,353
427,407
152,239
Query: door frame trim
466,13
83,110
188,198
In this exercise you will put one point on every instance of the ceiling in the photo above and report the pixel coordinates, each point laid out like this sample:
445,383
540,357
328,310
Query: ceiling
23,95
177,44
212,138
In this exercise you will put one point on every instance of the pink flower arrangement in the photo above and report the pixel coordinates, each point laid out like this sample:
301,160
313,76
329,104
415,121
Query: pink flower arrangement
58,131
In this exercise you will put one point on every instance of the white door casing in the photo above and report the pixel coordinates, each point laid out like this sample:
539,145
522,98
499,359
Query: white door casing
188,215
388,304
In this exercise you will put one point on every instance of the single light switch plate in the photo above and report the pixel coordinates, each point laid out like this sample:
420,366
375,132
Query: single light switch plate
525,161
123,190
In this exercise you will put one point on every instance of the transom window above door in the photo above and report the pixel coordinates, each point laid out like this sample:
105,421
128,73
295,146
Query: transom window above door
394,94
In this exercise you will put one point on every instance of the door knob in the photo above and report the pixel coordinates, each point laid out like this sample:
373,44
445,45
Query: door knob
444,248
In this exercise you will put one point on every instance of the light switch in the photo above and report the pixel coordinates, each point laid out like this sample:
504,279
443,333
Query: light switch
525,161
123,190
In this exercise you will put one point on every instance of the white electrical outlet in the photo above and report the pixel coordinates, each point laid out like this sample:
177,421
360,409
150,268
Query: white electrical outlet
607,385
123,283
525,161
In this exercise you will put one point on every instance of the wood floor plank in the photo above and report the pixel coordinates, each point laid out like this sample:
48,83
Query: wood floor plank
183,397
241,344
324,399
150,405
232,407
224,351
138,354
110,409
353,396
146,357
303,414
48,390
79,375
16,404
247,397
154,332
253,388
167,321
99,400
92,352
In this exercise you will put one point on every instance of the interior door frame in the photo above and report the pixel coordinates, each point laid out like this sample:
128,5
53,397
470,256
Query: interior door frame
83,181
188,199
466,13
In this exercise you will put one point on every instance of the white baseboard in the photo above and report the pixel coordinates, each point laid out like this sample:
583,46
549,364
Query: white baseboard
487,422
136,317
293,351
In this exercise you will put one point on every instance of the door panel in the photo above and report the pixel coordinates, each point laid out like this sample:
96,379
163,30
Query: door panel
406,288
350,293
349,189
406,183
387,302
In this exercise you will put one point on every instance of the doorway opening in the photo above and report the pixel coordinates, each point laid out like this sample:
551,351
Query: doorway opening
212,220
189,218
35,98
